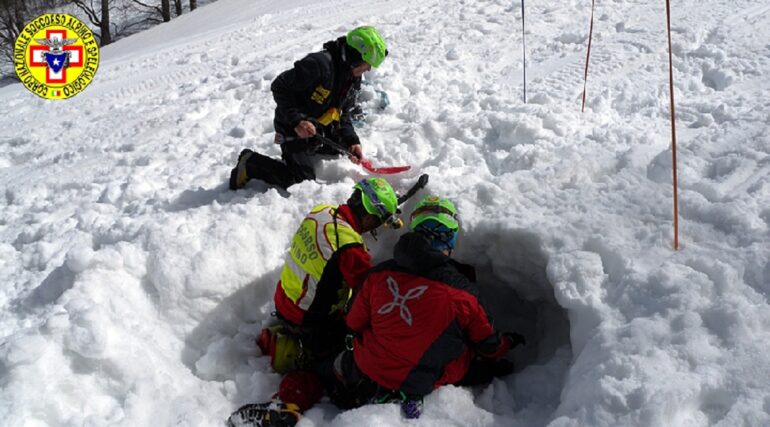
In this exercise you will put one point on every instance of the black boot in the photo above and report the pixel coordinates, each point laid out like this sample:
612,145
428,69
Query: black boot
238,176
268,414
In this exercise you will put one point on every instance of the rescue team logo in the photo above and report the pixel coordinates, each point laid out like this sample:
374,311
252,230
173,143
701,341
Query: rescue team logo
399,301
56,56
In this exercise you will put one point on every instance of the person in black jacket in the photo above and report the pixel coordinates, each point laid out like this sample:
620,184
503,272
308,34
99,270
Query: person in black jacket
315,97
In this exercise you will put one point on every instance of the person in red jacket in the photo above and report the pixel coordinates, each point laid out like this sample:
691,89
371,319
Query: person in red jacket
417,319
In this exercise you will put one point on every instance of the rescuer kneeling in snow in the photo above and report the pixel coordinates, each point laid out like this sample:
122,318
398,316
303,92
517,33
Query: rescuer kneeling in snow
316,97
327,260
418,322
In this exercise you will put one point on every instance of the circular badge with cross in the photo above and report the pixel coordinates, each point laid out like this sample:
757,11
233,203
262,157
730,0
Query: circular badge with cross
56,56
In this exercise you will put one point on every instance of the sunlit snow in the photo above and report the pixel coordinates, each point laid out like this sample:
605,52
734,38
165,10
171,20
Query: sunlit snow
134,282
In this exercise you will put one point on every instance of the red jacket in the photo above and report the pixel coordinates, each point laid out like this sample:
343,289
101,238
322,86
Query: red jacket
348,265
419,321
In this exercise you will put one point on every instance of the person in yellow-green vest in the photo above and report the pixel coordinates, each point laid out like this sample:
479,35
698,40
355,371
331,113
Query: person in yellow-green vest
327,260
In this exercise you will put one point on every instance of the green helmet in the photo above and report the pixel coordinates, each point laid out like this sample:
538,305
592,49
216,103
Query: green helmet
439,209
378,198
369,43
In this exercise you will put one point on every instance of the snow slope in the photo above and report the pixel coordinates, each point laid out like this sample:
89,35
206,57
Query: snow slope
134,281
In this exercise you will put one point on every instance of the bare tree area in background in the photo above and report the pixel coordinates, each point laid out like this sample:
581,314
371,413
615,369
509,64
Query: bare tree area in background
99,16
156,12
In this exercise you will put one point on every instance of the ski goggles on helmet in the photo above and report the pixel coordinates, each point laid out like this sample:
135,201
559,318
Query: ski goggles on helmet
440,236
388,219
438,213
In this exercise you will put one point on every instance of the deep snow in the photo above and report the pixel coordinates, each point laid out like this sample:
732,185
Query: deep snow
134,281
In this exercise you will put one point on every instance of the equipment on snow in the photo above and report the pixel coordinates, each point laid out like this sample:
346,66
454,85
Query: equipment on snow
422,181
393,221
383,170
284,348
524,52
379,102
268,414
366,163
341,149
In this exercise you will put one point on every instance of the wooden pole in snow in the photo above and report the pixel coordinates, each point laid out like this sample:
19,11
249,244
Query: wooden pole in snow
524,51
588,55
673,125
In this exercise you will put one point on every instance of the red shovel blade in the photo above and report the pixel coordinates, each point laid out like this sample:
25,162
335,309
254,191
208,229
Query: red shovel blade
385,170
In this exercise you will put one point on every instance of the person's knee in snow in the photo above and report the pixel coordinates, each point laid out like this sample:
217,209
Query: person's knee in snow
301,388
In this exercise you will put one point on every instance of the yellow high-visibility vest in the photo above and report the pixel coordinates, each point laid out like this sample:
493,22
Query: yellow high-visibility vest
311,248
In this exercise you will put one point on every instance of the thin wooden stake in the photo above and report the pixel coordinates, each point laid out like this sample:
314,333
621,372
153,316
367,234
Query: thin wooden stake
673,125
524,51
588,55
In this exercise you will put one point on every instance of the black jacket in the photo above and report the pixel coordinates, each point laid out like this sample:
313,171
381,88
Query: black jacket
319,81
414,254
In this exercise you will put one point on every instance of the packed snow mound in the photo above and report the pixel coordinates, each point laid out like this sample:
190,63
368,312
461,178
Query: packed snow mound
135,282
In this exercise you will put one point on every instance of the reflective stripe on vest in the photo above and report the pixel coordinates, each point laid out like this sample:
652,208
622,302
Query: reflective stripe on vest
312,246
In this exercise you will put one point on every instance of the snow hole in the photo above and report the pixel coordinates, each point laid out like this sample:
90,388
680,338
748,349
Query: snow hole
511,274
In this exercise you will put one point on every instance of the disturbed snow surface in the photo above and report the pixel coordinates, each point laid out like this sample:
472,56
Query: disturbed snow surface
134,281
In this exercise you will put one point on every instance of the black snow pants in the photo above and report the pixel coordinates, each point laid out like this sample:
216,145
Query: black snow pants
297,164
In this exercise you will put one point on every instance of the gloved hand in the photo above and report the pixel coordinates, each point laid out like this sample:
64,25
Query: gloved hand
514,339
412,408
